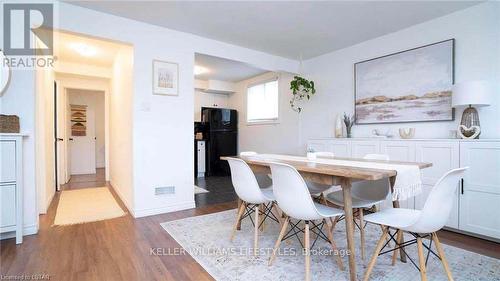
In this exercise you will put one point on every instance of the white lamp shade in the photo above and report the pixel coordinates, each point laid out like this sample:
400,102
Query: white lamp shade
476,93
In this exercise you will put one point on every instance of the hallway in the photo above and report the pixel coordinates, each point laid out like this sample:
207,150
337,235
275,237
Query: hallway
87,181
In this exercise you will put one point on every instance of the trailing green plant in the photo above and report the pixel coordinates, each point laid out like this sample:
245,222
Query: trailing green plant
301,89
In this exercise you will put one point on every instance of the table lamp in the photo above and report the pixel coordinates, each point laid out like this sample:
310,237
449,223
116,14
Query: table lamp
472,93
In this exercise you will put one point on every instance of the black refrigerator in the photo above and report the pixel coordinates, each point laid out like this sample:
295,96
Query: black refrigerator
221,135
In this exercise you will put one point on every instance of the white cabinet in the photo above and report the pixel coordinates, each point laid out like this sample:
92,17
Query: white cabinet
341,148
360,148
444,156
480,196
11,185
477,200
202,99
398,150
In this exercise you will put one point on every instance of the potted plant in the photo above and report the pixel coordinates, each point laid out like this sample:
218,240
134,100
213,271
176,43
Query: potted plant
301,89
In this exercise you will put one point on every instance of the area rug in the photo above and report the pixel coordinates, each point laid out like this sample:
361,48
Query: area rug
199,190
206,238
86,205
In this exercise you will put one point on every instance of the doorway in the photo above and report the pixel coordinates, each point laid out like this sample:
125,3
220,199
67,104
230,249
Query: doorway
86,134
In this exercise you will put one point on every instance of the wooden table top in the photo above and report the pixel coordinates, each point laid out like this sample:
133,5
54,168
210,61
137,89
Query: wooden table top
330,169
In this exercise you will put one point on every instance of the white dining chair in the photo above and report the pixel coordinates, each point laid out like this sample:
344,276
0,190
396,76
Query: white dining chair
262,178
248,153
296,203
419,223
365,194
253,197
319,190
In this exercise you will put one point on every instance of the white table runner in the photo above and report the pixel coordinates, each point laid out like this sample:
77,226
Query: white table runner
408,180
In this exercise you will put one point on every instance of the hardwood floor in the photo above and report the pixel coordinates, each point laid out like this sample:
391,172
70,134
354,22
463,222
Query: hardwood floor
120,249
221,190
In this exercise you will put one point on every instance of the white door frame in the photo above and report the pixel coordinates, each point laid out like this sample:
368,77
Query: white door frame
82,84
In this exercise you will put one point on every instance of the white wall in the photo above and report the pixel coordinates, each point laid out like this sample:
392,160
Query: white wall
281,137
45,135
162,125
121,124
477,53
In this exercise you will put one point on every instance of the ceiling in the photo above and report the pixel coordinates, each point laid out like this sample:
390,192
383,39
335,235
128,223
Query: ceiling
224,69
285,28
103,52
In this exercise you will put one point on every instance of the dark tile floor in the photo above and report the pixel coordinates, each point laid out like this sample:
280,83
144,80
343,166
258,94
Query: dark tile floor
221,191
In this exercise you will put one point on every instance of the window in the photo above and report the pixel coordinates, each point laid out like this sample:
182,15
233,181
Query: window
262,102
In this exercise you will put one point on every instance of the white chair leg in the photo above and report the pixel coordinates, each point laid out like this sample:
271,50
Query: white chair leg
238,218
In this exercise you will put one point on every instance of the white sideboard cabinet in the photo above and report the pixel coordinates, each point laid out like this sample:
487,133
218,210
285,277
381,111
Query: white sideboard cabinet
11,185
477,199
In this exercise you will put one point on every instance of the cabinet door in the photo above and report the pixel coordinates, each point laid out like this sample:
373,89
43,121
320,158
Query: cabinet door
341,148
8,161
480,199
220,100
319,145
360,148
399,151
8,206
444,156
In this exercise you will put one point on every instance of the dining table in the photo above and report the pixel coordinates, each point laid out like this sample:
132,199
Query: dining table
318,171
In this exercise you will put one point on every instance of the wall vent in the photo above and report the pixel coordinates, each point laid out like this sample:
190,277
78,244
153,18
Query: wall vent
162,190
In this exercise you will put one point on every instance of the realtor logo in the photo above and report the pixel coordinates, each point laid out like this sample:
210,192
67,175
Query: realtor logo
23,24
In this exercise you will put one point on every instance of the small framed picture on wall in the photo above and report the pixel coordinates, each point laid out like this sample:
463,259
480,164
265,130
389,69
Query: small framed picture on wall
165,78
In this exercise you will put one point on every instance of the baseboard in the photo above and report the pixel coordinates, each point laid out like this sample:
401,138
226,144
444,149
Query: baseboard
125,202
168,209
489,238
27,230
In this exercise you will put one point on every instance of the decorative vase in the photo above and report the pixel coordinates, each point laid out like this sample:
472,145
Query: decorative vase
349,133
338,127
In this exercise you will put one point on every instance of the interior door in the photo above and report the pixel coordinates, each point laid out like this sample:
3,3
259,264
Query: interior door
60,135
83,148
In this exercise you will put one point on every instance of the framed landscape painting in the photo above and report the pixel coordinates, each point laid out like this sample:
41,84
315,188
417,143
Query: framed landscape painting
165,78
409,86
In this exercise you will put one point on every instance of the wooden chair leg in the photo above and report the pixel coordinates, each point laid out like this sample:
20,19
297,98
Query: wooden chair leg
278,242
334,222
421,259
442,256
362,232
395,253
262,210
307,252
275,211
378,248
240,202
238,219
334,246
256,232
